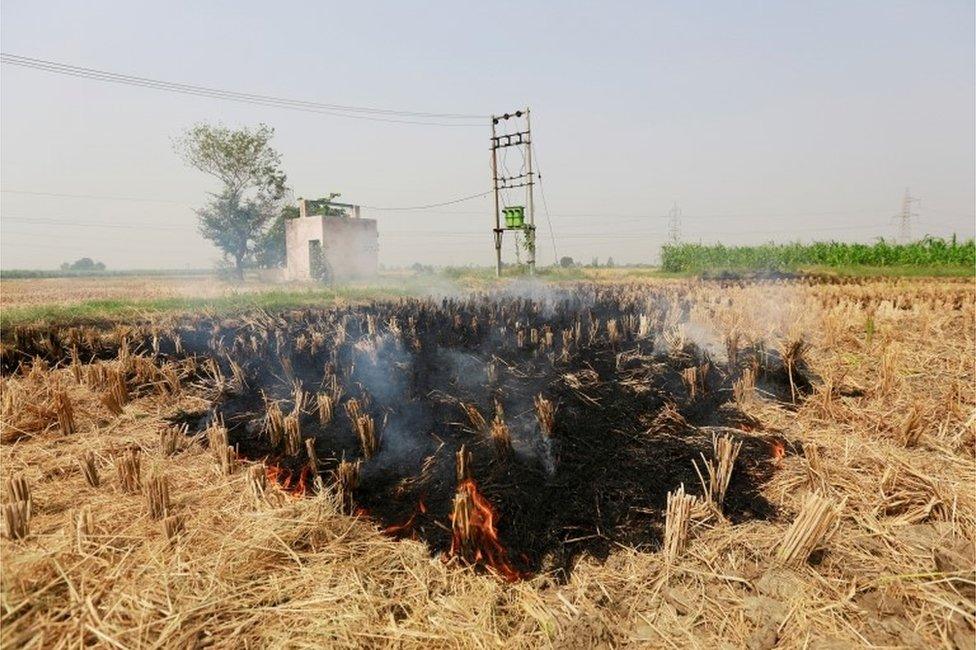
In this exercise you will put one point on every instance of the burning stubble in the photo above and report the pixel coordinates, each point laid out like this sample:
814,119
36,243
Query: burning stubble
398,372
474,538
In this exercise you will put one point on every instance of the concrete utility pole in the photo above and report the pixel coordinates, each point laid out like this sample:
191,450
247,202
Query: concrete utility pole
515,215
905,217
674,224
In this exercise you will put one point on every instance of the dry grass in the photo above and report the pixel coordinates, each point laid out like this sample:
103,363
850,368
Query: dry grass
891,437
719,468
677,518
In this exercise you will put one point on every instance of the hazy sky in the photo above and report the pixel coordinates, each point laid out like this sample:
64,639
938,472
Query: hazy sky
763,120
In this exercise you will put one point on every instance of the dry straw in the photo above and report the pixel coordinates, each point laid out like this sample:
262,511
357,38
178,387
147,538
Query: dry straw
353,409
227,460
76,367
816,474
346,481
813,525
791,351
719,468
173,526
84,527
475,418
66,414
17,512
313,458
257,481
463,507
170,380
366,431
293,435
274,423
217,436
690,378
676,522
169,438
18,491
16,520
744,388
545,413
89,468
500,435
157,496
127,467
326,408
911,428
117,395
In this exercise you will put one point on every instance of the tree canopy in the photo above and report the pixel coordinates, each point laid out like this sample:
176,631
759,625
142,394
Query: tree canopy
241,159
249,169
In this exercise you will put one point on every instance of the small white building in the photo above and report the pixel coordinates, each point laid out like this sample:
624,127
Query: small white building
329,241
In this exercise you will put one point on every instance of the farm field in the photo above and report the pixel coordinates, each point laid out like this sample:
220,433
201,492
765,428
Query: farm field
929,256
611,462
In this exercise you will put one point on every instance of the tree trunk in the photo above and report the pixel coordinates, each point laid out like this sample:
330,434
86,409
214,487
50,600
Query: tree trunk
239,267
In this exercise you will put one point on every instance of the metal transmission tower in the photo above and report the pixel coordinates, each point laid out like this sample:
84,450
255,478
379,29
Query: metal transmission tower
674,224
905,217
518,218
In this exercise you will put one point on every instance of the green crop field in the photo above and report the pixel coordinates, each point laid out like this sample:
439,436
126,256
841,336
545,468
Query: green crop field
929,253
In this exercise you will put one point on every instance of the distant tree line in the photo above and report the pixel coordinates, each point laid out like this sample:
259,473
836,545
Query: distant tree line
83,264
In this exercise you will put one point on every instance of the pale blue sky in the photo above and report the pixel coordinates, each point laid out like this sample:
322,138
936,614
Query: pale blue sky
764,121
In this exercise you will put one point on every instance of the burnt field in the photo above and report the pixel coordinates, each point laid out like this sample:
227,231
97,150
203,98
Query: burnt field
594,463
509,432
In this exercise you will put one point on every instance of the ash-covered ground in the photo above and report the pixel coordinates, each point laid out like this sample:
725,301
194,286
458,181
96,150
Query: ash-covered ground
580,409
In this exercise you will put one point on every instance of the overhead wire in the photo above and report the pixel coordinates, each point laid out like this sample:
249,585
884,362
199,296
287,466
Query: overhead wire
545,204
425,207
336,110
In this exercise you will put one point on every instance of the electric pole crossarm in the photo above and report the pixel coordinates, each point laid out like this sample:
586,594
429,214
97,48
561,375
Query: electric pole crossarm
515,215
507,186
510,140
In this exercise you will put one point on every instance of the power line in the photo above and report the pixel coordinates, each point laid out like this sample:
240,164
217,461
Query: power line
90,224
545,205
132,198
94,196
617,216
337,110
432,205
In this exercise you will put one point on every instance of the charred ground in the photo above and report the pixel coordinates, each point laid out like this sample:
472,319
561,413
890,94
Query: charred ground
636,402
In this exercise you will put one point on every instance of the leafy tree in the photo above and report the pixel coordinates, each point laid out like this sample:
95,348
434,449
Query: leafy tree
234,226
271,251
249,170
566,262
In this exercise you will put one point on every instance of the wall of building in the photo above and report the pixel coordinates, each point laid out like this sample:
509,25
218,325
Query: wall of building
350,247
298,232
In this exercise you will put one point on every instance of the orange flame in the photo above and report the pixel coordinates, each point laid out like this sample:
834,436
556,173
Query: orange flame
286,480
406,528
481,544
778,450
